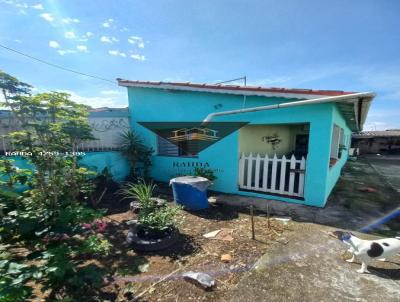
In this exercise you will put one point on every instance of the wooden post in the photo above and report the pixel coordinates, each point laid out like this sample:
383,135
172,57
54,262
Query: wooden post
253,235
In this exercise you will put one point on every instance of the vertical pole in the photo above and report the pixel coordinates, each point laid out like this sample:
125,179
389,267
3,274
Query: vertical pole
253,235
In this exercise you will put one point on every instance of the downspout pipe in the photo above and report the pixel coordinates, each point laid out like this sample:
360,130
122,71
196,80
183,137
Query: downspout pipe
329,99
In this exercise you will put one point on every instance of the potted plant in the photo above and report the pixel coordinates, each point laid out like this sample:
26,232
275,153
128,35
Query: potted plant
155,228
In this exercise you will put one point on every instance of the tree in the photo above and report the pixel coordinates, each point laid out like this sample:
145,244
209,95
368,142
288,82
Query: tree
47,216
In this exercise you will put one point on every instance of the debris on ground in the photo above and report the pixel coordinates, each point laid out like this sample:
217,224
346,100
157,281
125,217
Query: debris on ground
226,258
212,234
193,250
367,189
224,234
284,220
202,279
212,199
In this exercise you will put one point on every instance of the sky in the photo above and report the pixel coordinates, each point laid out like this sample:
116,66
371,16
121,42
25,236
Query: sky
337,44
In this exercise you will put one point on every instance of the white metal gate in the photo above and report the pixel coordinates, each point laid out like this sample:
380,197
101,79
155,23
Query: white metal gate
274,175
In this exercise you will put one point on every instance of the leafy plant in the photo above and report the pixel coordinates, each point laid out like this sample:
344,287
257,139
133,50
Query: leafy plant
205,172
141,192
96,245
13,279
46,218
154,218
13,174
136,152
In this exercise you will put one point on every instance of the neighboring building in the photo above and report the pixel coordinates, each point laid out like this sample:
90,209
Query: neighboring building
106,124
373,142
292,154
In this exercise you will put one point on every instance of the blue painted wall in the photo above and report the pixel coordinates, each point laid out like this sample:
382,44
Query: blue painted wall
95,161
335,171
113,160
155,105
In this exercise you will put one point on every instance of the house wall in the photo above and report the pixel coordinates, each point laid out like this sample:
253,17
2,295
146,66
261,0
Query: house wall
335,171
251,138
156,105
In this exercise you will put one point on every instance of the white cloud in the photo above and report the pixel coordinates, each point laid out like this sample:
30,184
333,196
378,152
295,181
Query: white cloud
106,39
21,5
17,41
38,6
99,101
69,35
117,53
48,17
70,20
124,29
136,41
86,37
138,57
66,51
82,48
108,23
54,44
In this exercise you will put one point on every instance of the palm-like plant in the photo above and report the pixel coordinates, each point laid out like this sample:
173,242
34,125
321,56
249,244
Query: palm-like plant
134,149
154,218
141,192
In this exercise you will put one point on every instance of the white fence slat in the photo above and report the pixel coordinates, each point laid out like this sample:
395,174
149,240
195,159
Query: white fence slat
292,175
283,174
301,177
241,170
265,176
257,174
249,169
273,177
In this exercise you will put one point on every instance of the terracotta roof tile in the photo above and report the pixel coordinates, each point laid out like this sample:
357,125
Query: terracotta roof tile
238,88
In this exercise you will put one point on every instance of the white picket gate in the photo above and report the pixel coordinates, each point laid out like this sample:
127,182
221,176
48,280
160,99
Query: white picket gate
272,174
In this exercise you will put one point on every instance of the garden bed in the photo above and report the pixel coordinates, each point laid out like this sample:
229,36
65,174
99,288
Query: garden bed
134,273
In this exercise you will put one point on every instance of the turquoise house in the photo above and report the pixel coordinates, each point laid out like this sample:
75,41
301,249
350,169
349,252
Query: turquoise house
288,144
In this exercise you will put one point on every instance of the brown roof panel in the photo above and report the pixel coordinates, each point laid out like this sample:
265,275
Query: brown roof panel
123,82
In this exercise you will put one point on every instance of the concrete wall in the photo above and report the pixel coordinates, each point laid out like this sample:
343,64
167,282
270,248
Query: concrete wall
95,161
155,105
106,127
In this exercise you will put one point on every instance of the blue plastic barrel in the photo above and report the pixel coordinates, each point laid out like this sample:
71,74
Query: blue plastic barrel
191,192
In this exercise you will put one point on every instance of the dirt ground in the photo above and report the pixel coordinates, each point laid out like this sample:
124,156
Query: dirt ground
311,267
297,261
135,273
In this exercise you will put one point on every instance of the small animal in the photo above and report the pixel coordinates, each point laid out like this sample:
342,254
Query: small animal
367,250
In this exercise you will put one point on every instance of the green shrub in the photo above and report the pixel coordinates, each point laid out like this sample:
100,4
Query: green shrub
96,245
205,172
